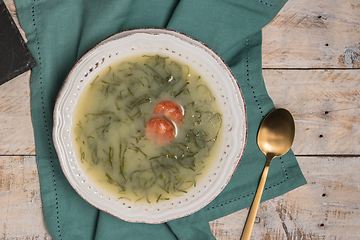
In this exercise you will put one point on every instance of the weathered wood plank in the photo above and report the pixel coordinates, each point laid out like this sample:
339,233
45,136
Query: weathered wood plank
325,104
327,208
314,34
326,108
21,215
16,133
334,104
305,34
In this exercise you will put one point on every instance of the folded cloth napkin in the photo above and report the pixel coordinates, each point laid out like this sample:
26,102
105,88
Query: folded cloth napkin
59,32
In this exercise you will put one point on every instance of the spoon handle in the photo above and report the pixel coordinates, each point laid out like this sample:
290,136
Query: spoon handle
255,205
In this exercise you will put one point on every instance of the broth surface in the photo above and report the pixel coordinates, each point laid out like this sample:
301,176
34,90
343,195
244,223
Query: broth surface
109,129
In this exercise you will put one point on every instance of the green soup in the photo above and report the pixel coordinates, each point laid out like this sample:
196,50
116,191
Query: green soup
109,129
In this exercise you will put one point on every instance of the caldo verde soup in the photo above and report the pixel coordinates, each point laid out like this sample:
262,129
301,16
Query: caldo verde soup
147,129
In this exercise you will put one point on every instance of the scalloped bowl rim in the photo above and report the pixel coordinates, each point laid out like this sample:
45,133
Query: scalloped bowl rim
185,49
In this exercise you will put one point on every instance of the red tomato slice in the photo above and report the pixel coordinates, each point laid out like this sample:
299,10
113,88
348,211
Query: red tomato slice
160,131
170,110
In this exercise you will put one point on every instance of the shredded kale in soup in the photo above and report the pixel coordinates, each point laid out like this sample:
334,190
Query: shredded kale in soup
127,108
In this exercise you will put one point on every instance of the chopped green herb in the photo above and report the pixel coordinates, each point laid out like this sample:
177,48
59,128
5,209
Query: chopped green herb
111,121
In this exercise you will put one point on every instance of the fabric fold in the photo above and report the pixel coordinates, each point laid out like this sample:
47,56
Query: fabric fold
109,227
222,24
194,226
59,33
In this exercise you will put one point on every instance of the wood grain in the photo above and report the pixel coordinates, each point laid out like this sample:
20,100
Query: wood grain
21,215
326,208
314,34
325,105
311,61
334,96
16,133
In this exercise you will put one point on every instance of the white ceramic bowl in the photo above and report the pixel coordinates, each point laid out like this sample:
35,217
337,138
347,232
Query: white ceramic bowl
203,60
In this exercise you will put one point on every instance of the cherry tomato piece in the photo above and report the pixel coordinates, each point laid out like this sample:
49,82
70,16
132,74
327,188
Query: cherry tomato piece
160,131
170,110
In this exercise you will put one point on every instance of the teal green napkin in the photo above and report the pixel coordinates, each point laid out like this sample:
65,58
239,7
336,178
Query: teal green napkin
59,32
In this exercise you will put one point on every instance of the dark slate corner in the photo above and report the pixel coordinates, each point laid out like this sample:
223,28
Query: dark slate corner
15,57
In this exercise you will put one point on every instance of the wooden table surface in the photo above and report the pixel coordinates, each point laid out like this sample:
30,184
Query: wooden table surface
311,66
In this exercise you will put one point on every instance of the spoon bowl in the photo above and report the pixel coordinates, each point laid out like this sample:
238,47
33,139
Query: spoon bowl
275,138
276,133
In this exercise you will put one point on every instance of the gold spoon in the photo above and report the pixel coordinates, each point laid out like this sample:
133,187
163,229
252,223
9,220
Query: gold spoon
275,137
